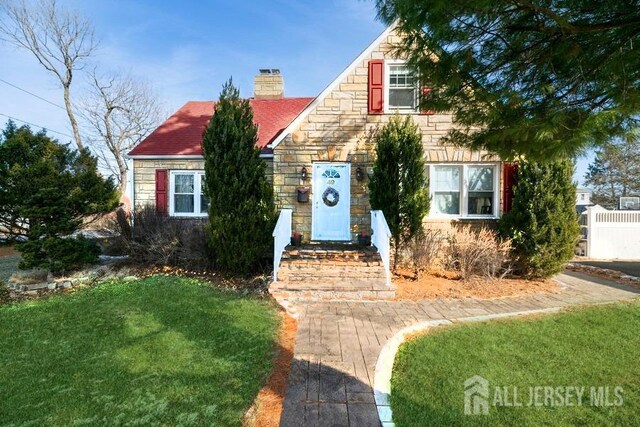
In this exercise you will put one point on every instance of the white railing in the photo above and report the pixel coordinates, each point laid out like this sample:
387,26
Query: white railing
281,238
612,234
380,238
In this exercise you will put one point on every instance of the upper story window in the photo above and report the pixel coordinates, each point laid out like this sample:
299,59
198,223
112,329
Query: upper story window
402,88
464,190
187,196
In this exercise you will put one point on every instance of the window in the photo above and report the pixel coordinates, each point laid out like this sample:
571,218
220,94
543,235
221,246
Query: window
464,190
331,173
401,88
187,196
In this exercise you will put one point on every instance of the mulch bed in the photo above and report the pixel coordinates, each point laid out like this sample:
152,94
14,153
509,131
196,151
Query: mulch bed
267,407
442,284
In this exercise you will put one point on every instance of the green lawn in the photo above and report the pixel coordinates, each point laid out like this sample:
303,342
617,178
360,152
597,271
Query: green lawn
596,347
159,351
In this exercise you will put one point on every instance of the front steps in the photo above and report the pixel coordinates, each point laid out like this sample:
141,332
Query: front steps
330,272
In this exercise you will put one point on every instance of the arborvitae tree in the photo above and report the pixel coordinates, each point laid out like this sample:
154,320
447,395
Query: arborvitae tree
398,186
241,210
46,192
543,222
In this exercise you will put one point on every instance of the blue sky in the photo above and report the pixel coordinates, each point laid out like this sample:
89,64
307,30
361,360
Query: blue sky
188,49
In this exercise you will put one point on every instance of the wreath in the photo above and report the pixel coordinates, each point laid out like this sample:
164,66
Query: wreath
330,197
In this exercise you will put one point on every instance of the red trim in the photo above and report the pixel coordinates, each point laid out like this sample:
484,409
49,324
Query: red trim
509,178
376,87
425,92
162,185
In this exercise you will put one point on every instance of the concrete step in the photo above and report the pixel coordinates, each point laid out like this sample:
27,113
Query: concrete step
332,295
337,285
331,271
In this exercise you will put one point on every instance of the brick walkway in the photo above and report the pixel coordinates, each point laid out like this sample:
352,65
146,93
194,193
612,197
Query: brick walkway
337,345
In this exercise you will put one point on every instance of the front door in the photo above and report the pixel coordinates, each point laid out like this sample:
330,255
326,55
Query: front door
331,201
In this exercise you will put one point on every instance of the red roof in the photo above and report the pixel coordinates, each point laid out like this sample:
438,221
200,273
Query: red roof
181,134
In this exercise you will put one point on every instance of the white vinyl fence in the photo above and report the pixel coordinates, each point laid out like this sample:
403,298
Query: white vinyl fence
612,234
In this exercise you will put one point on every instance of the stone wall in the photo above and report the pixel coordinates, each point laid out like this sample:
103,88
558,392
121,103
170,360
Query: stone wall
144,175
338,129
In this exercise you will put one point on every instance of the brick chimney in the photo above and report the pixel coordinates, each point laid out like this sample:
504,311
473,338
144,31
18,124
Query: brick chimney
269,84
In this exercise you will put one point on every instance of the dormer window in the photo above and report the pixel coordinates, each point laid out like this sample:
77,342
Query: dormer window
402,87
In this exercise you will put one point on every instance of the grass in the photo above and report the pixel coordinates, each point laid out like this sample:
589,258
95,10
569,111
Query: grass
158,351
590,347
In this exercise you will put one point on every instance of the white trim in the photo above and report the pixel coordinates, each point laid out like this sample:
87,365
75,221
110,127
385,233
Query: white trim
387,108
464,190
133,188
197,189
294,124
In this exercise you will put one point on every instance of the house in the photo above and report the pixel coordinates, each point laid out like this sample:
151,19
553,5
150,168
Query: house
583,199
320,155
321,145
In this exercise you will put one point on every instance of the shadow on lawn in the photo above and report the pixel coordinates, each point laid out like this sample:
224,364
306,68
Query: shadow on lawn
135,357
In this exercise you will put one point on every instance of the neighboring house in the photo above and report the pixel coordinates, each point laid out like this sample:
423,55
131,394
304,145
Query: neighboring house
583,199
319,147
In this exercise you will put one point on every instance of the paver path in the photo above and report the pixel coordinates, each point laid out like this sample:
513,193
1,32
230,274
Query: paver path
337,345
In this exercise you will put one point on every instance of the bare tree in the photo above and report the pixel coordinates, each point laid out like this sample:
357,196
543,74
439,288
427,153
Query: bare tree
120,111
59,39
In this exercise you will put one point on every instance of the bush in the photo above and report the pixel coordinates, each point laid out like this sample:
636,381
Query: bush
58,254
241,208
398,185
478,253
543,222
424,250
161,240
47,191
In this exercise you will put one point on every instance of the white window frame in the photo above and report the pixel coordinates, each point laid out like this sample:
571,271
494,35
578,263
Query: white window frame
387,74
197,190
464,190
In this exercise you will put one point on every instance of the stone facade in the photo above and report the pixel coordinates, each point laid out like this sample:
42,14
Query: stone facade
338,129
144,175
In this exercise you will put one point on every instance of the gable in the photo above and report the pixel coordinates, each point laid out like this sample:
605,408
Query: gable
343,77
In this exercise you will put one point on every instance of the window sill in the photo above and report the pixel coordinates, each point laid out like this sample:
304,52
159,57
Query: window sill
183,215
442,217
403,112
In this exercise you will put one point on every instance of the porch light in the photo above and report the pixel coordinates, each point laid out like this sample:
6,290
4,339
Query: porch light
303,173
359,174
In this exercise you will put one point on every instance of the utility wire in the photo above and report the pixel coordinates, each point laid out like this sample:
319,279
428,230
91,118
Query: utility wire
33,94
36,125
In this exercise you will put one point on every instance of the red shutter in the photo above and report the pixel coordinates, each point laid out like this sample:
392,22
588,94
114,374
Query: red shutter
376,87
425,91
509,175
162,198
